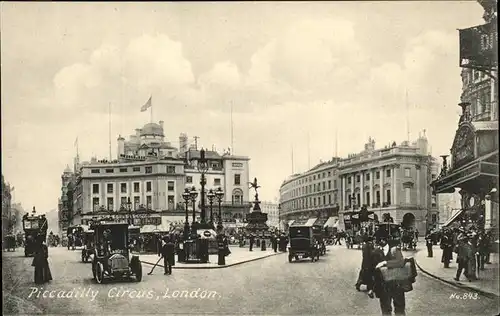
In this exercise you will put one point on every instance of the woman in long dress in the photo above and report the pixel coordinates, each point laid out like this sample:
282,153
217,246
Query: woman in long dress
41,264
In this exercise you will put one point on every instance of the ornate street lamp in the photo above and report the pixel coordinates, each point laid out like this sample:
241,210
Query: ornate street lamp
193,194
129,209
211,196
202,166
219,194
186,196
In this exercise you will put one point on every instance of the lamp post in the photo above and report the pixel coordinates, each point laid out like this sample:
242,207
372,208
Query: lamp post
129,209
219,194
211,196
202,166
193,194
279,218
186,196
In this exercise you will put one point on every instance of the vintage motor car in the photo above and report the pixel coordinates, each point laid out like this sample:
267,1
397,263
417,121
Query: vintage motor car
35,228
112,258
303,244
88,243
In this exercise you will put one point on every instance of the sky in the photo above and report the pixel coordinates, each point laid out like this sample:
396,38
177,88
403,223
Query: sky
294,74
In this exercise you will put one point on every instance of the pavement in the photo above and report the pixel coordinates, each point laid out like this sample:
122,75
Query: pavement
237,256
265,287
488,283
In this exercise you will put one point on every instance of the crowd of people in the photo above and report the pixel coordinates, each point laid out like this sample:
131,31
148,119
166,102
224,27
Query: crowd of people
471,245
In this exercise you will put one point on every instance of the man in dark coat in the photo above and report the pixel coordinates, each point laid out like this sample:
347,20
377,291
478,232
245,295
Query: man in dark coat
447,246
252,240
429,244
274,241
41,263
391,292
168,253
366,272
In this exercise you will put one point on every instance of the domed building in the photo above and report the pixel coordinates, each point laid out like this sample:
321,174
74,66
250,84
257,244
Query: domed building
147,141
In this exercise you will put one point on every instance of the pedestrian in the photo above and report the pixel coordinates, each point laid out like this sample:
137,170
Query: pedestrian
168,250
429,244
252,239
366,272
488,240
389,292
274,241
447,246
41,263
464,253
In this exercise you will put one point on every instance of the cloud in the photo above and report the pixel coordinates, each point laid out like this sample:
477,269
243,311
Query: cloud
150,64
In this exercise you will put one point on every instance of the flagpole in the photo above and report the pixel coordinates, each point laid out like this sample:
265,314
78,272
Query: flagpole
110,158
151,107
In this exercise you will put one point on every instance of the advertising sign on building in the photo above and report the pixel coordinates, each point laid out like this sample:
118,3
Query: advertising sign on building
478,46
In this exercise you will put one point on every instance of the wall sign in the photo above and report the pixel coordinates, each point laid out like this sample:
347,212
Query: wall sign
463,146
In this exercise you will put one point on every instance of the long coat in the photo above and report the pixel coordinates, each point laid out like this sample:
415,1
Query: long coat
367,265
168,251
394,259
41,264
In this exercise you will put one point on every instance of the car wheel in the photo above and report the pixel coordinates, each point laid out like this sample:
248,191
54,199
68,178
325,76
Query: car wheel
94,264
138,272
83,256
290,258
99,273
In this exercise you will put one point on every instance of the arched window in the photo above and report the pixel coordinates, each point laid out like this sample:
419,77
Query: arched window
237,196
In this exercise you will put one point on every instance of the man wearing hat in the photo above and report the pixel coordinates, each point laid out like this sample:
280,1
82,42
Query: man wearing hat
366,272
390,292
447,246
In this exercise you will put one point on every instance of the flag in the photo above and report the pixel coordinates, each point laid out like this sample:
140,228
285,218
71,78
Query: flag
147,105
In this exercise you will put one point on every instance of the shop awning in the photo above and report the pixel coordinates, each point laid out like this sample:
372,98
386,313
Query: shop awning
452,218
331,221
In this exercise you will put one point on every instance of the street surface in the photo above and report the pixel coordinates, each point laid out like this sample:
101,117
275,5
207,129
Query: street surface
270,286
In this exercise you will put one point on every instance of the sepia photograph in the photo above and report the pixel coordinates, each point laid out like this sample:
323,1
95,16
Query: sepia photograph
250,158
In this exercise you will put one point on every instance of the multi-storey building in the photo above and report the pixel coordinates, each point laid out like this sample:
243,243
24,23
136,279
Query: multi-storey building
314,193
392,180
6,207
152,175
474,154
272,211
65,202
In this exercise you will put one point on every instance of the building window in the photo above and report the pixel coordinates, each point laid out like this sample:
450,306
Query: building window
189,179
136,169
329,184
110,188
110,170
388,197
367,202
377,196
216,182
123,202
377,175
329,173
358,201
367,177
388,173
170,185
324,200
434,218
95,203
237,179
171,169
334,184
407,172
149,169
95,188
171,202
329,199
123,169
123,187
137,202
314,177
110,204
136,187
349,180
149,202
358,178
407,195
95,171
148,186
335,198
237,196
324,185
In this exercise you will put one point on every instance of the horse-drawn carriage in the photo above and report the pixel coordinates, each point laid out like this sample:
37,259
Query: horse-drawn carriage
391,231
75,236
408,239
35,229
